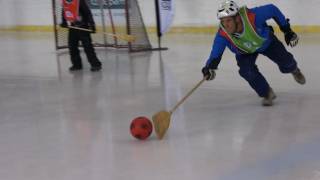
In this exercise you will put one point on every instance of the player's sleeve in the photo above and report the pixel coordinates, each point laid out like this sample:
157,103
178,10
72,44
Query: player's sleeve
217,50
270,11
63,19
86,10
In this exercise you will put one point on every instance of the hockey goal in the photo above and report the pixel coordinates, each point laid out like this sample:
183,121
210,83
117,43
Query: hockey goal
111,17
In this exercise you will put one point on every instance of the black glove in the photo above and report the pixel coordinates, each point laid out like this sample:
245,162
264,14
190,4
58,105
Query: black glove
92,27
290,37
64,25
208,73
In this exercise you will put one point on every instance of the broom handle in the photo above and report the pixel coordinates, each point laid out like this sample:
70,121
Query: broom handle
89,30
79,28
187,95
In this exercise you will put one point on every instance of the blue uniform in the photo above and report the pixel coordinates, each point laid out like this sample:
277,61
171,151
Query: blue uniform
271,48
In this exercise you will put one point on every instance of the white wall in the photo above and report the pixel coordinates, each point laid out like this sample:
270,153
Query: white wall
188,12
25,12
203,12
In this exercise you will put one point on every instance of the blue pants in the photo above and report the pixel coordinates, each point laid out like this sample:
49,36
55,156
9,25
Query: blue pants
250,72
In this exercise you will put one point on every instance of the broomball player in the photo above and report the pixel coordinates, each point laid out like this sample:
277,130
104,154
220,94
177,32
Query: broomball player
245,32
84,20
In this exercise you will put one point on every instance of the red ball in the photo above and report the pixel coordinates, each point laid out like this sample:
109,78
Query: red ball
141,128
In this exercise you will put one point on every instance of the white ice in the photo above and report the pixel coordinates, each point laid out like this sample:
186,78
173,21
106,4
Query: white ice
56,125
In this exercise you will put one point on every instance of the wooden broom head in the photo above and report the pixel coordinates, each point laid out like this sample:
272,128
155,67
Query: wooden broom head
128,38
161,122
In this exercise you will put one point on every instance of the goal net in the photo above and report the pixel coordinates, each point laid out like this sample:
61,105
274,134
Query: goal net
117,17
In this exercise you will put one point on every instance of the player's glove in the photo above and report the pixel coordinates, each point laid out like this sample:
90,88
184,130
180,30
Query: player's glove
208,73
92,27
290,37
208,70
63,25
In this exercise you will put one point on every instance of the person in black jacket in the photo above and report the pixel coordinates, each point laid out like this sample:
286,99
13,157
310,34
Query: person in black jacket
85,20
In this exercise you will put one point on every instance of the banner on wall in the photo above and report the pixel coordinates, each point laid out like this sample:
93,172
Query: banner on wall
165,10
71,10
107,4
116,8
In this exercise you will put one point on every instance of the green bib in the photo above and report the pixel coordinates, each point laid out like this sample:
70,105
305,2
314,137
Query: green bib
249,41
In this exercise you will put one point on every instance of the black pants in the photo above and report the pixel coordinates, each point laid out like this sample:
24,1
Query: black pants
75,36
275,52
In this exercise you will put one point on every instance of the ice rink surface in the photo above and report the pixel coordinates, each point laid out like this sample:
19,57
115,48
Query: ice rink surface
57,125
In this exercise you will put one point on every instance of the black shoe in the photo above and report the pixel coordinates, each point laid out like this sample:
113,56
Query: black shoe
95,68
75,68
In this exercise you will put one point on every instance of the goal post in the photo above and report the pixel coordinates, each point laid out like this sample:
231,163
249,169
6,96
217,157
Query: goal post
117,17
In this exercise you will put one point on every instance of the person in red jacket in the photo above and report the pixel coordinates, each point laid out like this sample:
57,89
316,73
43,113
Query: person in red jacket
84,20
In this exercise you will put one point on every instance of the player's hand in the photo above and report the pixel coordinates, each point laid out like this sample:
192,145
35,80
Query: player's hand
92,27
63,25
291,38
208,73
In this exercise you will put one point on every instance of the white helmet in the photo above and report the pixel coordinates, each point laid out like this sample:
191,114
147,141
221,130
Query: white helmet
227,8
